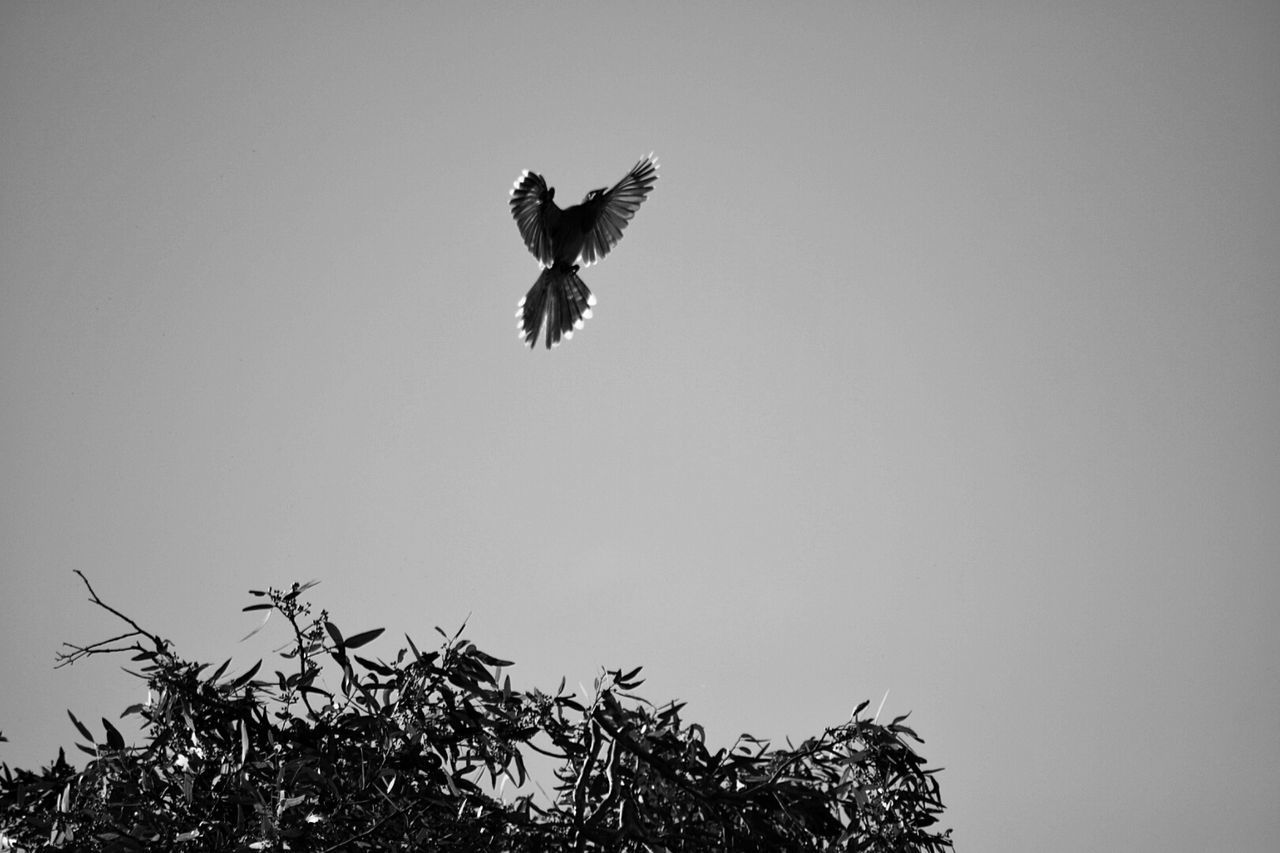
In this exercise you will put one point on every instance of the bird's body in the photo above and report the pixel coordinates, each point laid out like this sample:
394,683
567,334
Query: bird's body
564,240
568,231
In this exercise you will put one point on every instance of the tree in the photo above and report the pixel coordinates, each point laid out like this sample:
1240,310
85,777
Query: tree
414,753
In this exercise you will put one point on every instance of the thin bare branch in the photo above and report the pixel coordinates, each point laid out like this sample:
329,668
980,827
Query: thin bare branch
102,647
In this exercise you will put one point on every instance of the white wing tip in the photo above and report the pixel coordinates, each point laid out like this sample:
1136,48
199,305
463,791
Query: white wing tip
591,300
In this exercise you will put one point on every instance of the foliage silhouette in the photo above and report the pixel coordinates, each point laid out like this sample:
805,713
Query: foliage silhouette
415,753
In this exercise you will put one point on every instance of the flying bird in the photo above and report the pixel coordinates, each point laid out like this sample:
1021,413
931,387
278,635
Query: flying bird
564,240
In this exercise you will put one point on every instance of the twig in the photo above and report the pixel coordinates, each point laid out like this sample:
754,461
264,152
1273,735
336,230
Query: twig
343,844
103,647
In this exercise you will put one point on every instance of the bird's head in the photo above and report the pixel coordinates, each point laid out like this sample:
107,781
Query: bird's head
594,194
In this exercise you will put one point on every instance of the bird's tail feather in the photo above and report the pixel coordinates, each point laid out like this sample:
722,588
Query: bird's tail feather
560,299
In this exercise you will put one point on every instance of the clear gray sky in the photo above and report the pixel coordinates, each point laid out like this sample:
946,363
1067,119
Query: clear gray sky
944,359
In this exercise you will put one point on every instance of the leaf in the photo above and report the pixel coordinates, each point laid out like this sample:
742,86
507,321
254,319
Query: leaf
218,673
490,659
907,731
521,773
364,637
348,676
298,589
265,619
244,679
673,710
114,739
80,727
861,705
334,632
262,606
630,675
374,666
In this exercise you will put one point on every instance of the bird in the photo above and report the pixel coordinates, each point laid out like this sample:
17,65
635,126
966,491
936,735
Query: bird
563,241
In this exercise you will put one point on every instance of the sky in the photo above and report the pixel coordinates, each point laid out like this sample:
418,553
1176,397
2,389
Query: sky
942,361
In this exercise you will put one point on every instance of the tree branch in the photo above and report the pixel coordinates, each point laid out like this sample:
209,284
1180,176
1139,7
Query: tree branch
103,647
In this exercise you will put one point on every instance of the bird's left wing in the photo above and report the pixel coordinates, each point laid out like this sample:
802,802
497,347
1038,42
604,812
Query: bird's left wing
611,211
531,200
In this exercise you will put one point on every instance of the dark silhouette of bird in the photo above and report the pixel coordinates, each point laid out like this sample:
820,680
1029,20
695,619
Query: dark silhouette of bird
565,240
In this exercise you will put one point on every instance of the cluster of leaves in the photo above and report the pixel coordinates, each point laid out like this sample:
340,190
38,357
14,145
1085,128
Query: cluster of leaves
416,752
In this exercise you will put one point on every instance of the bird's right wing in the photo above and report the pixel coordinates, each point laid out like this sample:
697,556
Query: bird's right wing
530,202
612,210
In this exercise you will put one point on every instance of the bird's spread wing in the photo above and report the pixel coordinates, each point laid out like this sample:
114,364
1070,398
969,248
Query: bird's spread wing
530,202
611,211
